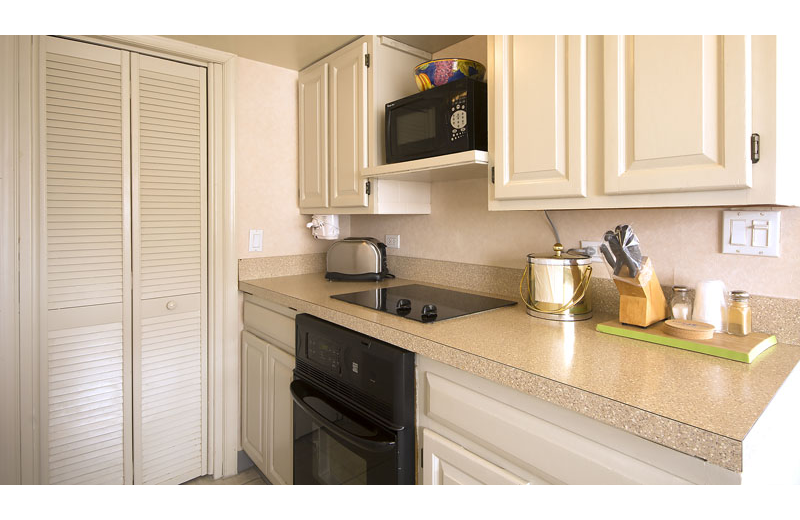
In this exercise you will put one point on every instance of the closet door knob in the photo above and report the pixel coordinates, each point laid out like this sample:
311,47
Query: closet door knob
171,305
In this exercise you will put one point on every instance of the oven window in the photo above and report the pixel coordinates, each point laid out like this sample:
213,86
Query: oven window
322,456
415,125
335,464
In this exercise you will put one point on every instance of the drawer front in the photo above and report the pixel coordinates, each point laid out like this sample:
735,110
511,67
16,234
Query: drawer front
529,441
270,325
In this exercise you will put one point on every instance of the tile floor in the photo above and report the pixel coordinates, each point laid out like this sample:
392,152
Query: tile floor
250,476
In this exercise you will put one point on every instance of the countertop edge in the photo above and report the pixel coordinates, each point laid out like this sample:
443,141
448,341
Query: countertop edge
712,447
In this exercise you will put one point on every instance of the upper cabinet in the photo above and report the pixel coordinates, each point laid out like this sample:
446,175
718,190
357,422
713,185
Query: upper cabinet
677,113
538,93
636,121
341,112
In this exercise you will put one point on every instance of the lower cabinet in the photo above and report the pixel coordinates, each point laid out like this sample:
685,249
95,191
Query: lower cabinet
280,366
472,431
445,462
266,404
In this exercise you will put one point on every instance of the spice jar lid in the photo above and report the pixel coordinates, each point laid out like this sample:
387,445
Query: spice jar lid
558,257
740,296
680,288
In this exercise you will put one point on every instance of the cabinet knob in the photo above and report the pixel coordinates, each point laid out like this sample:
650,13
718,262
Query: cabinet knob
171,305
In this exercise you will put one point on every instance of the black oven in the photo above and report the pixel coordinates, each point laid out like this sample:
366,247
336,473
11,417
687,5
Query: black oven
353,407
445,119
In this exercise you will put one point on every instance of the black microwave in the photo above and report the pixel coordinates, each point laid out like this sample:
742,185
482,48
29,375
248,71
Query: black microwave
446,119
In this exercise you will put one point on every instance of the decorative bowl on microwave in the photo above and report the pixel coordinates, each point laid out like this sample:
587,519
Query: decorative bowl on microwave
438,72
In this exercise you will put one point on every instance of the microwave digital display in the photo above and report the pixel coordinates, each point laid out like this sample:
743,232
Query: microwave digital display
446,119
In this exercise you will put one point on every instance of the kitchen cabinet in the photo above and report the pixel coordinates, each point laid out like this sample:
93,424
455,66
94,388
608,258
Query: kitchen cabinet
678,114
340,130
637,121
267,369
539,107
448,463
473,430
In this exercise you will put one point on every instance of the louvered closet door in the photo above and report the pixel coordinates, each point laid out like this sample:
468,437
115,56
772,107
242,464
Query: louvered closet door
168,104
86,283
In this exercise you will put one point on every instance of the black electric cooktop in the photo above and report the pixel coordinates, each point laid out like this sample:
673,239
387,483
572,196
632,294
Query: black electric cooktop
422,302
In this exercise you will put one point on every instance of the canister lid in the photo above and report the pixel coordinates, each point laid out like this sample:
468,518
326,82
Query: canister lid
559,257
680,288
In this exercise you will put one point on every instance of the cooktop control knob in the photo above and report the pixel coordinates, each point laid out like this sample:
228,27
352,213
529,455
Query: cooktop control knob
429,312
403,306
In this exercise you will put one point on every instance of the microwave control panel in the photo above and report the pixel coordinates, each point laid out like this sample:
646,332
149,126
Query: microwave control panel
458,116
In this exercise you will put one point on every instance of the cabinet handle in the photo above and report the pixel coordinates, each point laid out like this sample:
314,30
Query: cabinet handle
171,305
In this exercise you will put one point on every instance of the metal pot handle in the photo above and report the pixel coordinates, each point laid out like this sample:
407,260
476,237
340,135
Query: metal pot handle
580,292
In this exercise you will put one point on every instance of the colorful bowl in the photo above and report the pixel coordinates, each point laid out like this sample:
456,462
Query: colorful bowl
438,72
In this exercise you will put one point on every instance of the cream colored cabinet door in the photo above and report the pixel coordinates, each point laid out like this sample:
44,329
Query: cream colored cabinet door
539,128
280,439
348,127
312,97
677,113
168,113
255,390
445,462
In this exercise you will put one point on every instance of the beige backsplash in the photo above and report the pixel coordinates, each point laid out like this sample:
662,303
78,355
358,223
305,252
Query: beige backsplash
683,243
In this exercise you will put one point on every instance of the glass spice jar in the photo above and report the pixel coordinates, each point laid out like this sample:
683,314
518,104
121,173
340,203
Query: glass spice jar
740,319
681,304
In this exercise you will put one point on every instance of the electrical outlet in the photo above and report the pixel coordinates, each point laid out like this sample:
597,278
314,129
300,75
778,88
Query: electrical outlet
392,241
597,257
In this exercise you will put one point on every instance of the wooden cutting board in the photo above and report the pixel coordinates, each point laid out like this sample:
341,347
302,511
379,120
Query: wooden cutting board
737,348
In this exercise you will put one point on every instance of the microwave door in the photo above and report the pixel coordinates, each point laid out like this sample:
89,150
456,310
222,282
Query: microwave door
418,129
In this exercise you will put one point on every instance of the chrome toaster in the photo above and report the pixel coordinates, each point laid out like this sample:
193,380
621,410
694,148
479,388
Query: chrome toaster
359,259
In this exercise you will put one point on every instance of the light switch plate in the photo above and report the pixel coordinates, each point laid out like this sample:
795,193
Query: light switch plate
754,233
256,240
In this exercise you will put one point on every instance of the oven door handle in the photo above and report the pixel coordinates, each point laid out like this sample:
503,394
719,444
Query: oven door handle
300,389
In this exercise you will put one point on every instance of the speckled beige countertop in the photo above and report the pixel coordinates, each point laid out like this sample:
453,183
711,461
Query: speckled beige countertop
697,404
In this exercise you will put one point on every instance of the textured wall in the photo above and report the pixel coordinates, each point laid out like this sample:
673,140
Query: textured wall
266,163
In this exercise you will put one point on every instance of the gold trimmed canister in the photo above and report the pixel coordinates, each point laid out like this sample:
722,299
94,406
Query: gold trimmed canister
558,285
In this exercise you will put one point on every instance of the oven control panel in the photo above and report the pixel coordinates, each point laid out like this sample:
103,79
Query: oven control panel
324,353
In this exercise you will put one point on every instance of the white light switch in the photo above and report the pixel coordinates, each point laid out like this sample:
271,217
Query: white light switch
754,233
256,239
739,232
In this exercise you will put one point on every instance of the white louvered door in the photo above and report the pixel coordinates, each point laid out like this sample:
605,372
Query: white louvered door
124,268
86,246
168,112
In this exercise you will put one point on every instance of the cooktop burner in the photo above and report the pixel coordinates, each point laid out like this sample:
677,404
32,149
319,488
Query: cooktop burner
422,302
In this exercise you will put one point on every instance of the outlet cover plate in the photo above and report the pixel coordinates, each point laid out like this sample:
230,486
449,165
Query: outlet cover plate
597,258
392,241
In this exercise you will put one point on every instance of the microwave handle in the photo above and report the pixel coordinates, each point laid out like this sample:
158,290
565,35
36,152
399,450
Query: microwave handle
300,390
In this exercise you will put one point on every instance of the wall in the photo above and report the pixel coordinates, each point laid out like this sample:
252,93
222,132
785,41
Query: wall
266,163
684,243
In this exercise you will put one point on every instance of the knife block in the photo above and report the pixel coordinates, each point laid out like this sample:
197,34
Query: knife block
641,302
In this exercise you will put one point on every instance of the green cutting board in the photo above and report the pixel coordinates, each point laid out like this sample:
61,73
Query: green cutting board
737,348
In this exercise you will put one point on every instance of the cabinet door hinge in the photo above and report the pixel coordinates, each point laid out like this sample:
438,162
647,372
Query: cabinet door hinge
369,188
755,148
492,174
366,60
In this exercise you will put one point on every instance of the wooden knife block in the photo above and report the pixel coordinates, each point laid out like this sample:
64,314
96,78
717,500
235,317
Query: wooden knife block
641,303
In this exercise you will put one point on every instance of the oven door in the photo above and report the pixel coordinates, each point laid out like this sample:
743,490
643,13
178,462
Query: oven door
420,127
335,445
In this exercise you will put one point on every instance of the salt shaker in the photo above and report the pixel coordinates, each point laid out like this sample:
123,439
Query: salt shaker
681,304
